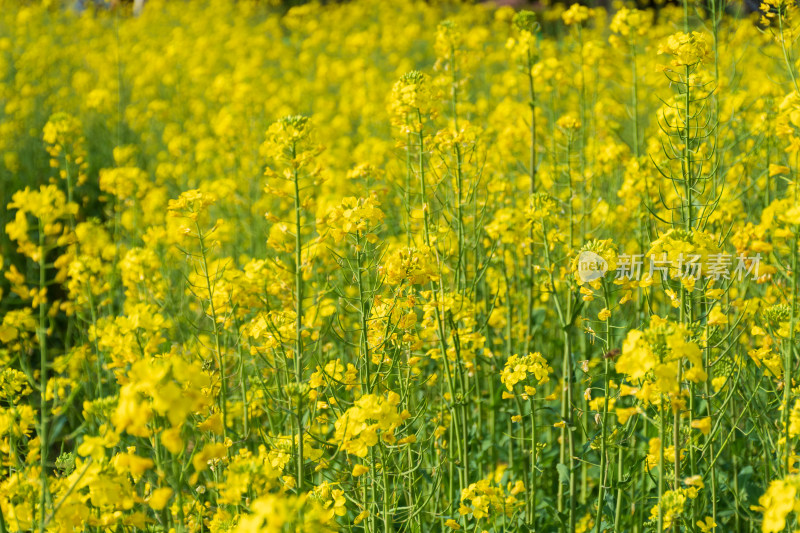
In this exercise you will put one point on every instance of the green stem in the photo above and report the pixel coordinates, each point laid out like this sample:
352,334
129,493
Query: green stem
298,354
604,418
662,430
42,335
789,348
223,395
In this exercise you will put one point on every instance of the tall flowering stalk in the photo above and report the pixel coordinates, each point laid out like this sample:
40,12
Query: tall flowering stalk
590,268
193,207
49,208
290,150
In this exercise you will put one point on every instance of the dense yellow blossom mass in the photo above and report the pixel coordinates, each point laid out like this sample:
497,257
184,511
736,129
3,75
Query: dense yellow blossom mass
399,267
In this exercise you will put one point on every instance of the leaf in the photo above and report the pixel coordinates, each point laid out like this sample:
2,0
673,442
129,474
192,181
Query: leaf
563,473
